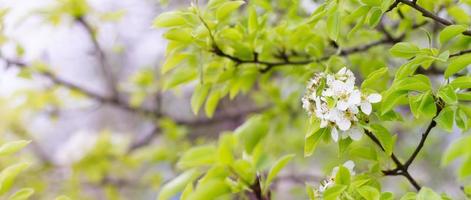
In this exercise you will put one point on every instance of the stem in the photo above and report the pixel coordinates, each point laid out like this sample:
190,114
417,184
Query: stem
421,144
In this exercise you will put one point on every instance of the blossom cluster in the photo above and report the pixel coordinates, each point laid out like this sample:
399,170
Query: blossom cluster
336,102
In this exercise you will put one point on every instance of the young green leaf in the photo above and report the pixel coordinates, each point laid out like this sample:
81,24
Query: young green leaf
13,147
212,103
9,174
334,192
211,190
198,97
22,194
374,77
428,194
369,193
375,16
227,8
170,189
462,82
343,176
276,168
457,64
169,19
450,32
446,118
448,94
333,23
404,50
252,132
311,141
197,156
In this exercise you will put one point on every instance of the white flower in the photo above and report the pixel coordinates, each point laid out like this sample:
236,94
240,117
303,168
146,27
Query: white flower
339,103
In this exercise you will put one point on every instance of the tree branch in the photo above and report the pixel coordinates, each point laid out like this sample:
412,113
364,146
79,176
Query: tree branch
426,13
105,68
400,170
270,64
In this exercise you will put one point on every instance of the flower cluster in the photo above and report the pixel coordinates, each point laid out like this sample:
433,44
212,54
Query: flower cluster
336,102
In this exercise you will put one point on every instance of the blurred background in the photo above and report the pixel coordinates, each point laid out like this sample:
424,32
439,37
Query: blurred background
87,92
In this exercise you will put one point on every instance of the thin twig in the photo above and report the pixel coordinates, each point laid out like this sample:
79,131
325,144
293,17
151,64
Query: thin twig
105,67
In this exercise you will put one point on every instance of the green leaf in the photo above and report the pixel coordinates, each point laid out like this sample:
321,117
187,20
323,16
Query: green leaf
448,94
252,132
372,79
333,23
198,97
62,197
462,82
409,196
197,156
170,189
456,149
13,147
391,99
465,169
369,193
427,194
227,8
465,96
245,170
461,119
212,102
276,168
371,2
252,21
418,83
384,137
404,50
8,175
414,104
450,32
169,19
387,196
445,119
311,141
343,176
22,194
172,61
375,16
210,190
428,108
457,64
334,192
226,144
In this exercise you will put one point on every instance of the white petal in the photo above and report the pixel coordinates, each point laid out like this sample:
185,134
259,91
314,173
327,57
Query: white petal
342,71
374,98
353,109
349,165
334,171
355,134
335,134
324,123
366,107
342,105
343,124
355,97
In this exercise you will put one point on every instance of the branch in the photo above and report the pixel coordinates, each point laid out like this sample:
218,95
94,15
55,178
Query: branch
105,68
460,53
426,13
400,170
270,64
